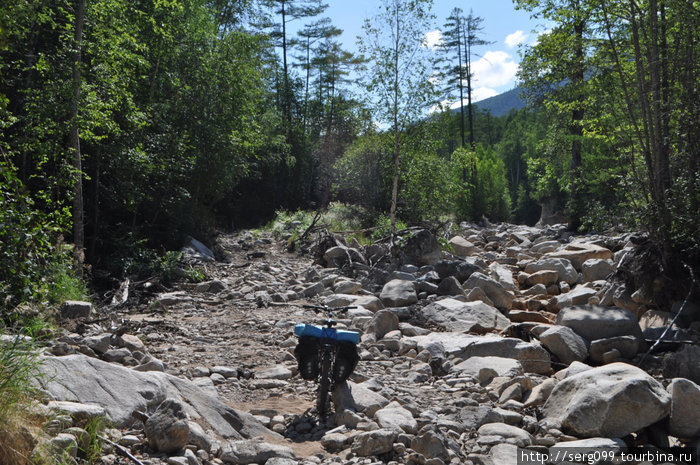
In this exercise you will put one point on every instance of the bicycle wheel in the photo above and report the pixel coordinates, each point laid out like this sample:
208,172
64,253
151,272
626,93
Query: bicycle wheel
324,384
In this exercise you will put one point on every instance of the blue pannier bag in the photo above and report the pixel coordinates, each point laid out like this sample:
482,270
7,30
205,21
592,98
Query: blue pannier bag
307,351
340,335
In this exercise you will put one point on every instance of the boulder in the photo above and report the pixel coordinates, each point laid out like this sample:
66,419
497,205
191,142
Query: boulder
461,246
253,451
499,433
74,309
627,346
562,266
503,275
347,287
394,416
683,363
609,401
431,444
577,296
544,277
398,293
383,322
374,442
460,269
596,269
422,248
450,286
540,393
595,322
565,344
456,315
531,355
486,368
578,252
357,398
121,391
685,408
167,429
499,295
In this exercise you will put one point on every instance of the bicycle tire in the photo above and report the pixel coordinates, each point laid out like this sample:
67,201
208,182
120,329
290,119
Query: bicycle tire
324,384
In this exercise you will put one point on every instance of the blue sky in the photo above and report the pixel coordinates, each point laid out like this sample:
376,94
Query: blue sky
507,27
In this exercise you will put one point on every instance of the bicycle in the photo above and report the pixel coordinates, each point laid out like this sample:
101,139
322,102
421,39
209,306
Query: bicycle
325,354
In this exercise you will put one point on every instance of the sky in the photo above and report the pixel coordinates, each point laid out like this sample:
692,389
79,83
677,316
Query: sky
495,66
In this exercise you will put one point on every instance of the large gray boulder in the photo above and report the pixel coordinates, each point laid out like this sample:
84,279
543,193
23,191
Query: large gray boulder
456,315
684,421
561,265
421,248
374,442
595,322
394,416
578,252
531,355
357,398
610,401
499,433
253,451
121,391
595,269
577,296
499,295
565,344
460,269
485,369
398,293
461,246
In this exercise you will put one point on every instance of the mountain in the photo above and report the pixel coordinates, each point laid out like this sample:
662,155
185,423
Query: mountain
501,104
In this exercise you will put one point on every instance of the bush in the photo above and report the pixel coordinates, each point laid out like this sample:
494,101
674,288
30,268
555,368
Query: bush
479,185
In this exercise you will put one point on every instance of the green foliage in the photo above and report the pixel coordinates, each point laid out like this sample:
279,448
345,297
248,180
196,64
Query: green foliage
363,174
383,227
92,452
63,284
480,186
18,366
35,266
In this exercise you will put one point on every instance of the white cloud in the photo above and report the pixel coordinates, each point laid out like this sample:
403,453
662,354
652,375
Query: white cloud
433,39
494,69
481,93
516,38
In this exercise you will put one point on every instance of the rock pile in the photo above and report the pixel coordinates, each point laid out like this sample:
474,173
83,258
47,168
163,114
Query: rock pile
517,338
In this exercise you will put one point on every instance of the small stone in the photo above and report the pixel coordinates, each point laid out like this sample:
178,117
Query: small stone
167,429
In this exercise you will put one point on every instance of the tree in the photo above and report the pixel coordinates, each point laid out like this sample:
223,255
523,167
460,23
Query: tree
308,36
400,66
461,35
559,62
74,143
290,10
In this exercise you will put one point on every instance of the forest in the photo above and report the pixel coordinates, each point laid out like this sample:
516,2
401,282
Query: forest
128,125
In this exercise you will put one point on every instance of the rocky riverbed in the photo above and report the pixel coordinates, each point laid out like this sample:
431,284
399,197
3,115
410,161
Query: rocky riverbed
509,338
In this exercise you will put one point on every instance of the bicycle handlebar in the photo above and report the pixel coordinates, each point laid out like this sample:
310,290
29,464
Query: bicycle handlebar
326,308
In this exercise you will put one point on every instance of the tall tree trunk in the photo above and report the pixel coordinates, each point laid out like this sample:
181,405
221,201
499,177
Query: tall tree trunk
74,144
286,97
461,76
306,86
397,147
576,128
468,64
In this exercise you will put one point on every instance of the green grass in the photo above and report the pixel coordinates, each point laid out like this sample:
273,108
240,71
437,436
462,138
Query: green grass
19,364
63,284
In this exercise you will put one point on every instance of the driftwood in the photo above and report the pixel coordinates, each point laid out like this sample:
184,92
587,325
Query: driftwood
121,450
